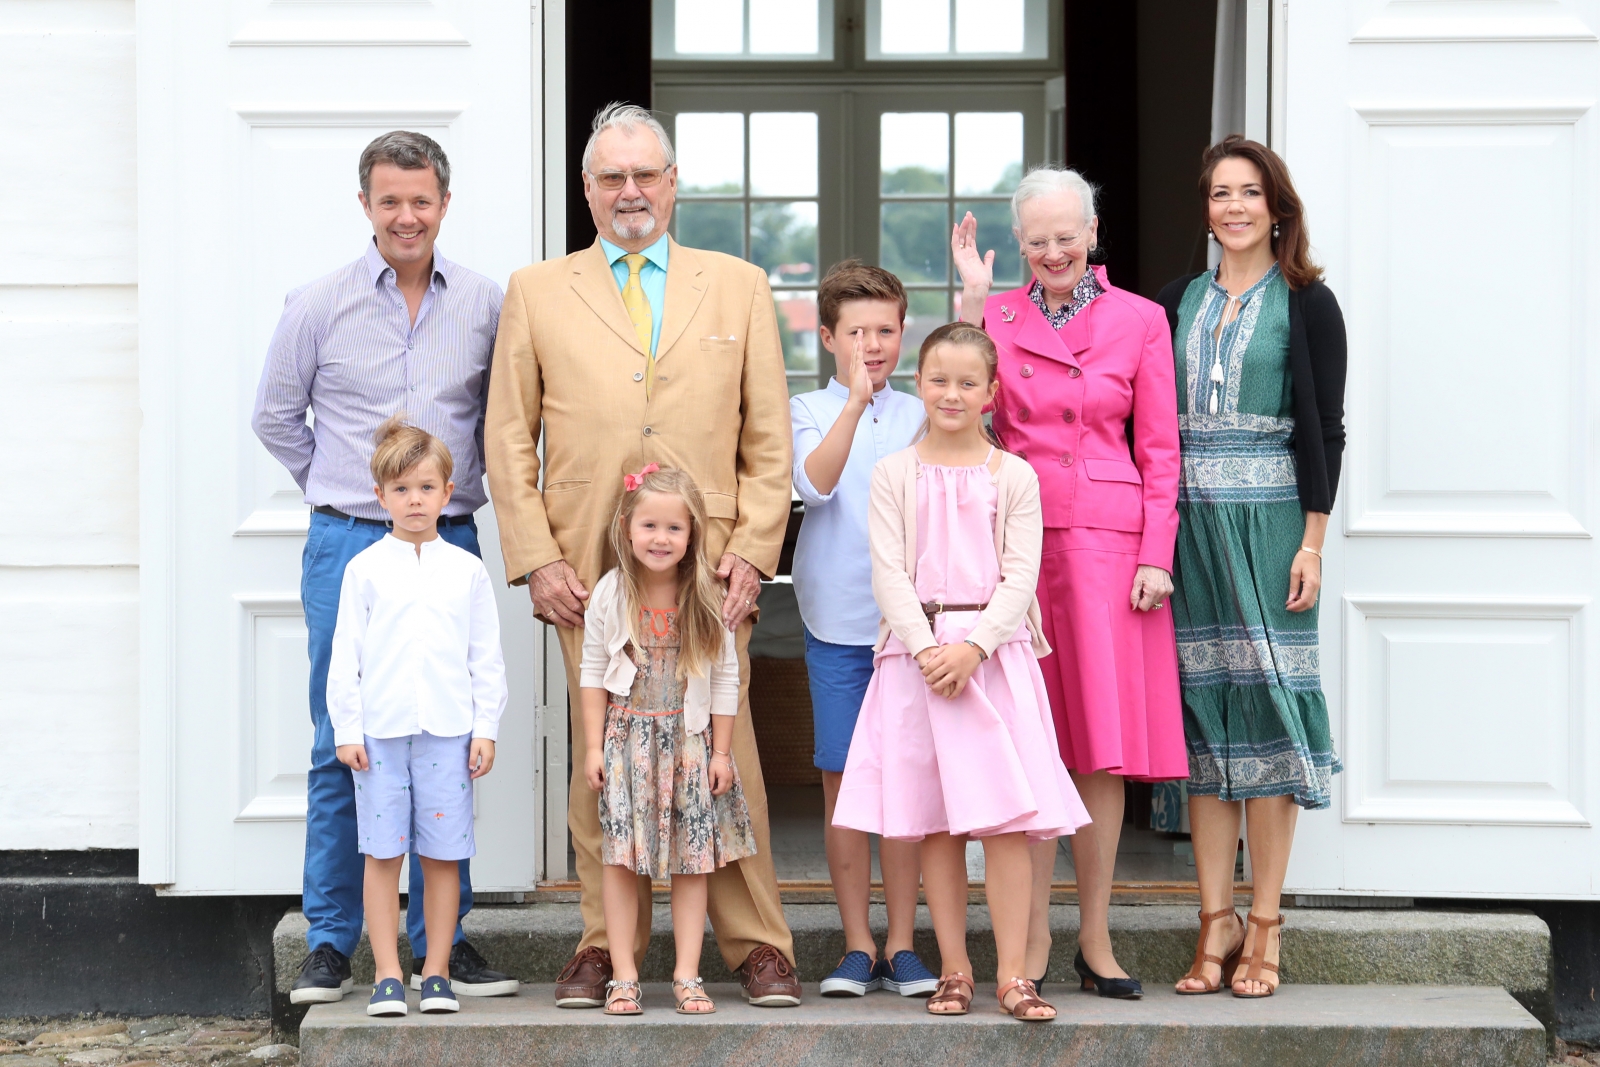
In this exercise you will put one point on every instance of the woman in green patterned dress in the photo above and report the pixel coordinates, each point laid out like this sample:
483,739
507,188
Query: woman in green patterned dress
1260,351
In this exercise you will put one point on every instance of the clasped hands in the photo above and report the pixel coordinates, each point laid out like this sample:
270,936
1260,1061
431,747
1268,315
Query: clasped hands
946,668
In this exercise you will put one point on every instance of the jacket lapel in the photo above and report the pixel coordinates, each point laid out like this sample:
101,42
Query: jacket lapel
1034,333
593,282
686,287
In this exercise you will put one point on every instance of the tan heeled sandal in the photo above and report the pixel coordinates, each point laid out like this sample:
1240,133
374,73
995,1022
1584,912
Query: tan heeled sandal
1030,999
1256,962
949,993
1201,957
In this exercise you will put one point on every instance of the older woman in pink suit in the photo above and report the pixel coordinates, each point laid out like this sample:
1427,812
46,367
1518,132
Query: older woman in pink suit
1087,398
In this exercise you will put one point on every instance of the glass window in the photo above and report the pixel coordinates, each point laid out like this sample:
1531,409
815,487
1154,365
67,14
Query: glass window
958,29
746,30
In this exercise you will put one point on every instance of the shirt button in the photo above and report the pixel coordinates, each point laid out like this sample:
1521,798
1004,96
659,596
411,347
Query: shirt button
648,431
638,375
1027,370
1068,416
1066,459
1073,372
1022,414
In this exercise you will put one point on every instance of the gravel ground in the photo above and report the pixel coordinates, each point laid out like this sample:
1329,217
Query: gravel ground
95,1040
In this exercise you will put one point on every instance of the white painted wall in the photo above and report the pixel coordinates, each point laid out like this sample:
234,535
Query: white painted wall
69,639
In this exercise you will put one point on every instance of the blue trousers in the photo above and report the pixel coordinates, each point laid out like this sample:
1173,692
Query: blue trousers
335,868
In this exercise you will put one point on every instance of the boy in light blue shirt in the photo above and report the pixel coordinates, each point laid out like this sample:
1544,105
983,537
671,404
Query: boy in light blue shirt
840,433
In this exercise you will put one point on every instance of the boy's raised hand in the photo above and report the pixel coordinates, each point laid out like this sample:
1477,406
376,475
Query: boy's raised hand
860,381
480,759
353,756
594,763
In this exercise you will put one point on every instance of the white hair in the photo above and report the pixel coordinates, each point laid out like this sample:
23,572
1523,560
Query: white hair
1046,180
617,115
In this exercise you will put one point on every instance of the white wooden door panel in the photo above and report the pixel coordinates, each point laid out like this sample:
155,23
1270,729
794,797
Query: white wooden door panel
252,116
1446,154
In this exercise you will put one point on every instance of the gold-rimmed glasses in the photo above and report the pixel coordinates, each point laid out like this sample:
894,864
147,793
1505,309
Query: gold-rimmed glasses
612,180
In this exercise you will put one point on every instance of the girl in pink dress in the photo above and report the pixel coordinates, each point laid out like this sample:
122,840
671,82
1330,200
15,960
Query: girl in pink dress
955,738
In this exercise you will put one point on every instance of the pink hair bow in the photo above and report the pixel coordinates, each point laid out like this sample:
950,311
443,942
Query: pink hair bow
630,482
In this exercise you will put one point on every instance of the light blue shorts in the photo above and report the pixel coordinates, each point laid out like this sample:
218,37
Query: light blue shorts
839,675
417,797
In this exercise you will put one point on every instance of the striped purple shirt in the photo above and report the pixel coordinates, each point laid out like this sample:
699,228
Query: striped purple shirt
346,350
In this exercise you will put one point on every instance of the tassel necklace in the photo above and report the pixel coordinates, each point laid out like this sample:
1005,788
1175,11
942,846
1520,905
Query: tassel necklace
1216,365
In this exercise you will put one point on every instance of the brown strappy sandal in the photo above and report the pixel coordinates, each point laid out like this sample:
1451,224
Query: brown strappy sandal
1257,960
694,992
1030,999
623,993
948,993
1202,957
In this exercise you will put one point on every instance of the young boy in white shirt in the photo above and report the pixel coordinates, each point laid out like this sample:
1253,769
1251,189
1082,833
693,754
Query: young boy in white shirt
840,433
416,687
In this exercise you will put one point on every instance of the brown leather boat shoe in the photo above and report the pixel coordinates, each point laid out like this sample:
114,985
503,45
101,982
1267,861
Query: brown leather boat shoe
582,982
768,980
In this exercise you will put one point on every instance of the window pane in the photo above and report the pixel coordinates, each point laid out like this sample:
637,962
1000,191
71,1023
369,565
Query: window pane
783,240
988,25
783,27
925,312
994,231
783,153
914,152
988,152
710,152
913,26
719,227
914,241
708,27
797,327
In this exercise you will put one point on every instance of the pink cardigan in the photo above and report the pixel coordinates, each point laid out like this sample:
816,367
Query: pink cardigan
1018,536
1066,400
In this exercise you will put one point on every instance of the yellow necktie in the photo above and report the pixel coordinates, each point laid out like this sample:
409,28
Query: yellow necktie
638,306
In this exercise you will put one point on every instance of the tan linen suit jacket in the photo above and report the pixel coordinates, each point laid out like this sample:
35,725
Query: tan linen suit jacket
568,369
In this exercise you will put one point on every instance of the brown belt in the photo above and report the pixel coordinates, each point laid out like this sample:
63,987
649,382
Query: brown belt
935,607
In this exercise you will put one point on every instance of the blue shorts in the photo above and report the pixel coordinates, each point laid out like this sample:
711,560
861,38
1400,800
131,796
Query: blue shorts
416,796
839,676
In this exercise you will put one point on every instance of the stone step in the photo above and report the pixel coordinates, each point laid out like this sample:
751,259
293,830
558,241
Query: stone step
1321,946
1303,1026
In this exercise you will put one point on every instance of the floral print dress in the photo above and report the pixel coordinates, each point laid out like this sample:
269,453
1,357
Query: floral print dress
657,814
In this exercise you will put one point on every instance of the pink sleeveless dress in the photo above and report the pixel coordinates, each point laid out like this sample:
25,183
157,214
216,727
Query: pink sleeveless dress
985,762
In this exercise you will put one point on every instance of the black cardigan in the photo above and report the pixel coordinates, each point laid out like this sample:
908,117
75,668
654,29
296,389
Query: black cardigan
1316,370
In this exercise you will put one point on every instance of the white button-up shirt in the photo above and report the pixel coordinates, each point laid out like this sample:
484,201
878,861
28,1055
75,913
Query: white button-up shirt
832,559
417,645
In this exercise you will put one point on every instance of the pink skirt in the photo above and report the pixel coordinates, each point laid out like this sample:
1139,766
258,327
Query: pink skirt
982,764
1113,674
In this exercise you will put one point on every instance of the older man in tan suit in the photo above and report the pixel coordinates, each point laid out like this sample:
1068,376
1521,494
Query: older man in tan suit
620,363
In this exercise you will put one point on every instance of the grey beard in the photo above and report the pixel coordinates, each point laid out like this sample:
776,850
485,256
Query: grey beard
633,231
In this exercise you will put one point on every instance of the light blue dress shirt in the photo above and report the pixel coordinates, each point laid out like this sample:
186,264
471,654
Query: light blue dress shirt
652,278
833,560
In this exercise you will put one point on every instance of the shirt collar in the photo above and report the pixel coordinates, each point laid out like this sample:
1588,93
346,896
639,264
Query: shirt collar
843,391
376,264
656,253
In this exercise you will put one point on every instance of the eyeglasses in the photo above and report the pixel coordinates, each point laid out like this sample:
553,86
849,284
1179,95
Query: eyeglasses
1062,241
612,180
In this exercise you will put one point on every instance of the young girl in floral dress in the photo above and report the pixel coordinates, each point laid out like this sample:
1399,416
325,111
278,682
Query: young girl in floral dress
660,688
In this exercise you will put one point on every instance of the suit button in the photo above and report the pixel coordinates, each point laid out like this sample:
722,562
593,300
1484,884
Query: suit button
1022,414
1067,415
1073,372
1066,459
647,431
638,375
1027,370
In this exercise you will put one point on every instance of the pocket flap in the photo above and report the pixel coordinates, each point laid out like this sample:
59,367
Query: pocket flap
1112,470
721,505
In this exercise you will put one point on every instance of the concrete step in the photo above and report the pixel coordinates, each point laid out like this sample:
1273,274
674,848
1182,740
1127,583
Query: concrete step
1303,1026
1321,946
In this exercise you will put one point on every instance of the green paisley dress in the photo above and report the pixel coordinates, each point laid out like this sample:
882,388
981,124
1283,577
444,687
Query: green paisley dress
1254,716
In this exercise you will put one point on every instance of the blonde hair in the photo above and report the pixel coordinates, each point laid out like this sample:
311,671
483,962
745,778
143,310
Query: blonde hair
402,446
963,333
700,596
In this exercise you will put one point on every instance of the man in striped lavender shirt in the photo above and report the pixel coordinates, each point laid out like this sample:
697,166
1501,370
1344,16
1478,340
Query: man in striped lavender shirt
402,329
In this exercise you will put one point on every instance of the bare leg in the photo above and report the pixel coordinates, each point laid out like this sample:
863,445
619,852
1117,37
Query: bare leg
901,862
688,932
619,888
441,903
1214,831
1008,883
944,879
1270,823
850,867
380,893
1043,856
1094,858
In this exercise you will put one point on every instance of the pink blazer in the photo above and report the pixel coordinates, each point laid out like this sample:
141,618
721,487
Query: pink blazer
1066,402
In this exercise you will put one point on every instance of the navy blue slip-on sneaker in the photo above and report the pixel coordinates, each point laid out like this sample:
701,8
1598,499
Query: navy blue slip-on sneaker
388,998
437,996
906,975
854,977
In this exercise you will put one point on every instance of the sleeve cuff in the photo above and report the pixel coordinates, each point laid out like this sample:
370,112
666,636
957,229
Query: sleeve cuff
487,731
344,737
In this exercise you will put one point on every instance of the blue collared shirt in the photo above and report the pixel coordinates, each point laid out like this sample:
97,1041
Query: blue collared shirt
652,278
833,560
347,351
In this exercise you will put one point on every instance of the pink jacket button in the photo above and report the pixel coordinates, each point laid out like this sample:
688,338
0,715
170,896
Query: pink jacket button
1066,459
1027,370
1072,372
1068,416
1022,414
